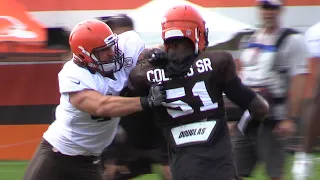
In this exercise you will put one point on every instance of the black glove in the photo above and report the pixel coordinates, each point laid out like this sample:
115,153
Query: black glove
158,57
157,94
247,125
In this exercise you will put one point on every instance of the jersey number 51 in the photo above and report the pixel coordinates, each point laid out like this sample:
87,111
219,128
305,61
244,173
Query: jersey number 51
199,89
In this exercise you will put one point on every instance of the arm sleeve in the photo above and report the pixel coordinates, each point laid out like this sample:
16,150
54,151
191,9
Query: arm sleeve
238,93
312,39
232,86
132,45
73,79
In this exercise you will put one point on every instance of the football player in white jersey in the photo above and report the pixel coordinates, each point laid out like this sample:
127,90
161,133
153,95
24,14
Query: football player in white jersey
303,163
90,108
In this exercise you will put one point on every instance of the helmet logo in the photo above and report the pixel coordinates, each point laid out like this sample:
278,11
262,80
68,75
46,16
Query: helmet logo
84,51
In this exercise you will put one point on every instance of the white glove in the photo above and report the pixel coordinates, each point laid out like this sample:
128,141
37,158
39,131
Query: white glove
302,166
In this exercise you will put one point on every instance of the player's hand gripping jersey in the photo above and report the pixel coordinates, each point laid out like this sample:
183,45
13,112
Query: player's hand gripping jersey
196,97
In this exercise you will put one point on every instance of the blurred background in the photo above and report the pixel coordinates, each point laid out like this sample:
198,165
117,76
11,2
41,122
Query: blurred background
34,46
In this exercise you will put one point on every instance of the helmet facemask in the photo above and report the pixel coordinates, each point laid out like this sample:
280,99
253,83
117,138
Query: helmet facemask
111,66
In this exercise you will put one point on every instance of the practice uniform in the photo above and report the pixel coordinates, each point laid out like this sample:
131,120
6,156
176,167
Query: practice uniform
313,40
73,142
193,115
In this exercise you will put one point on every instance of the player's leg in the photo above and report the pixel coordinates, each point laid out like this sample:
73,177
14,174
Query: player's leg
116,169
195,163
112,170
108,160
245,152
211,160
271,149
136,168
142,164
166,173
84,168
117,158
160,156
45,164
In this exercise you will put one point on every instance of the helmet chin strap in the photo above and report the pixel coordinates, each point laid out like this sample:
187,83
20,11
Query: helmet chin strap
102,67
87,53
196,46
107,67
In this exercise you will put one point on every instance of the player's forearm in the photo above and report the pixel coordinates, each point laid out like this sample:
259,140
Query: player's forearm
295,95
245,98
251,118
115,106
238,66
312,127
312,120
258,107
311,81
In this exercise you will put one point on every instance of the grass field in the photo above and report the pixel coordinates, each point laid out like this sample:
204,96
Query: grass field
13,170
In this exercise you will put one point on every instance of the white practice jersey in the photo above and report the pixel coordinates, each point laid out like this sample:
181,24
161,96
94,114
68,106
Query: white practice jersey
78,133
313,40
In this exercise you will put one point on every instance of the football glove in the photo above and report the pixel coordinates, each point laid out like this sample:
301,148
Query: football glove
157,94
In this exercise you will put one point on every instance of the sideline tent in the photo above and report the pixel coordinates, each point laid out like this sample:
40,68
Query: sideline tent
18,27
23,38
147,21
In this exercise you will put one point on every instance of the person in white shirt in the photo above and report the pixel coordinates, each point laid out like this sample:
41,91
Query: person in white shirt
90,106
275,64
303,163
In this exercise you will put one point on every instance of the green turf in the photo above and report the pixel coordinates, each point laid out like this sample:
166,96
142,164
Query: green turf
13,170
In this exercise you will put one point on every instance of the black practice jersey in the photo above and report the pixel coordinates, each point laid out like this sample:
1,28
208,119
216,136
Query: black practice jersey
196,96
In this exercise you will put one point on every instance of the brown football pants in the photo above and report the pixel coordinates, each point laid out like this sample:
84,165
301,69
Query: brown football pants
48,164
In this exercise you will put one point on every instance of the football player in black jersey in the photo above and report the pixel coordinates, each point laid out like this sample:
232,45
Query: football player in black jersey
193,115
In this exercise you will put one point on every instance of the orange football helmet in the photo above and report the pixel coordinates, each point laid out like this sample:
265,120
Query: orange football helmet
185,21
88,38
